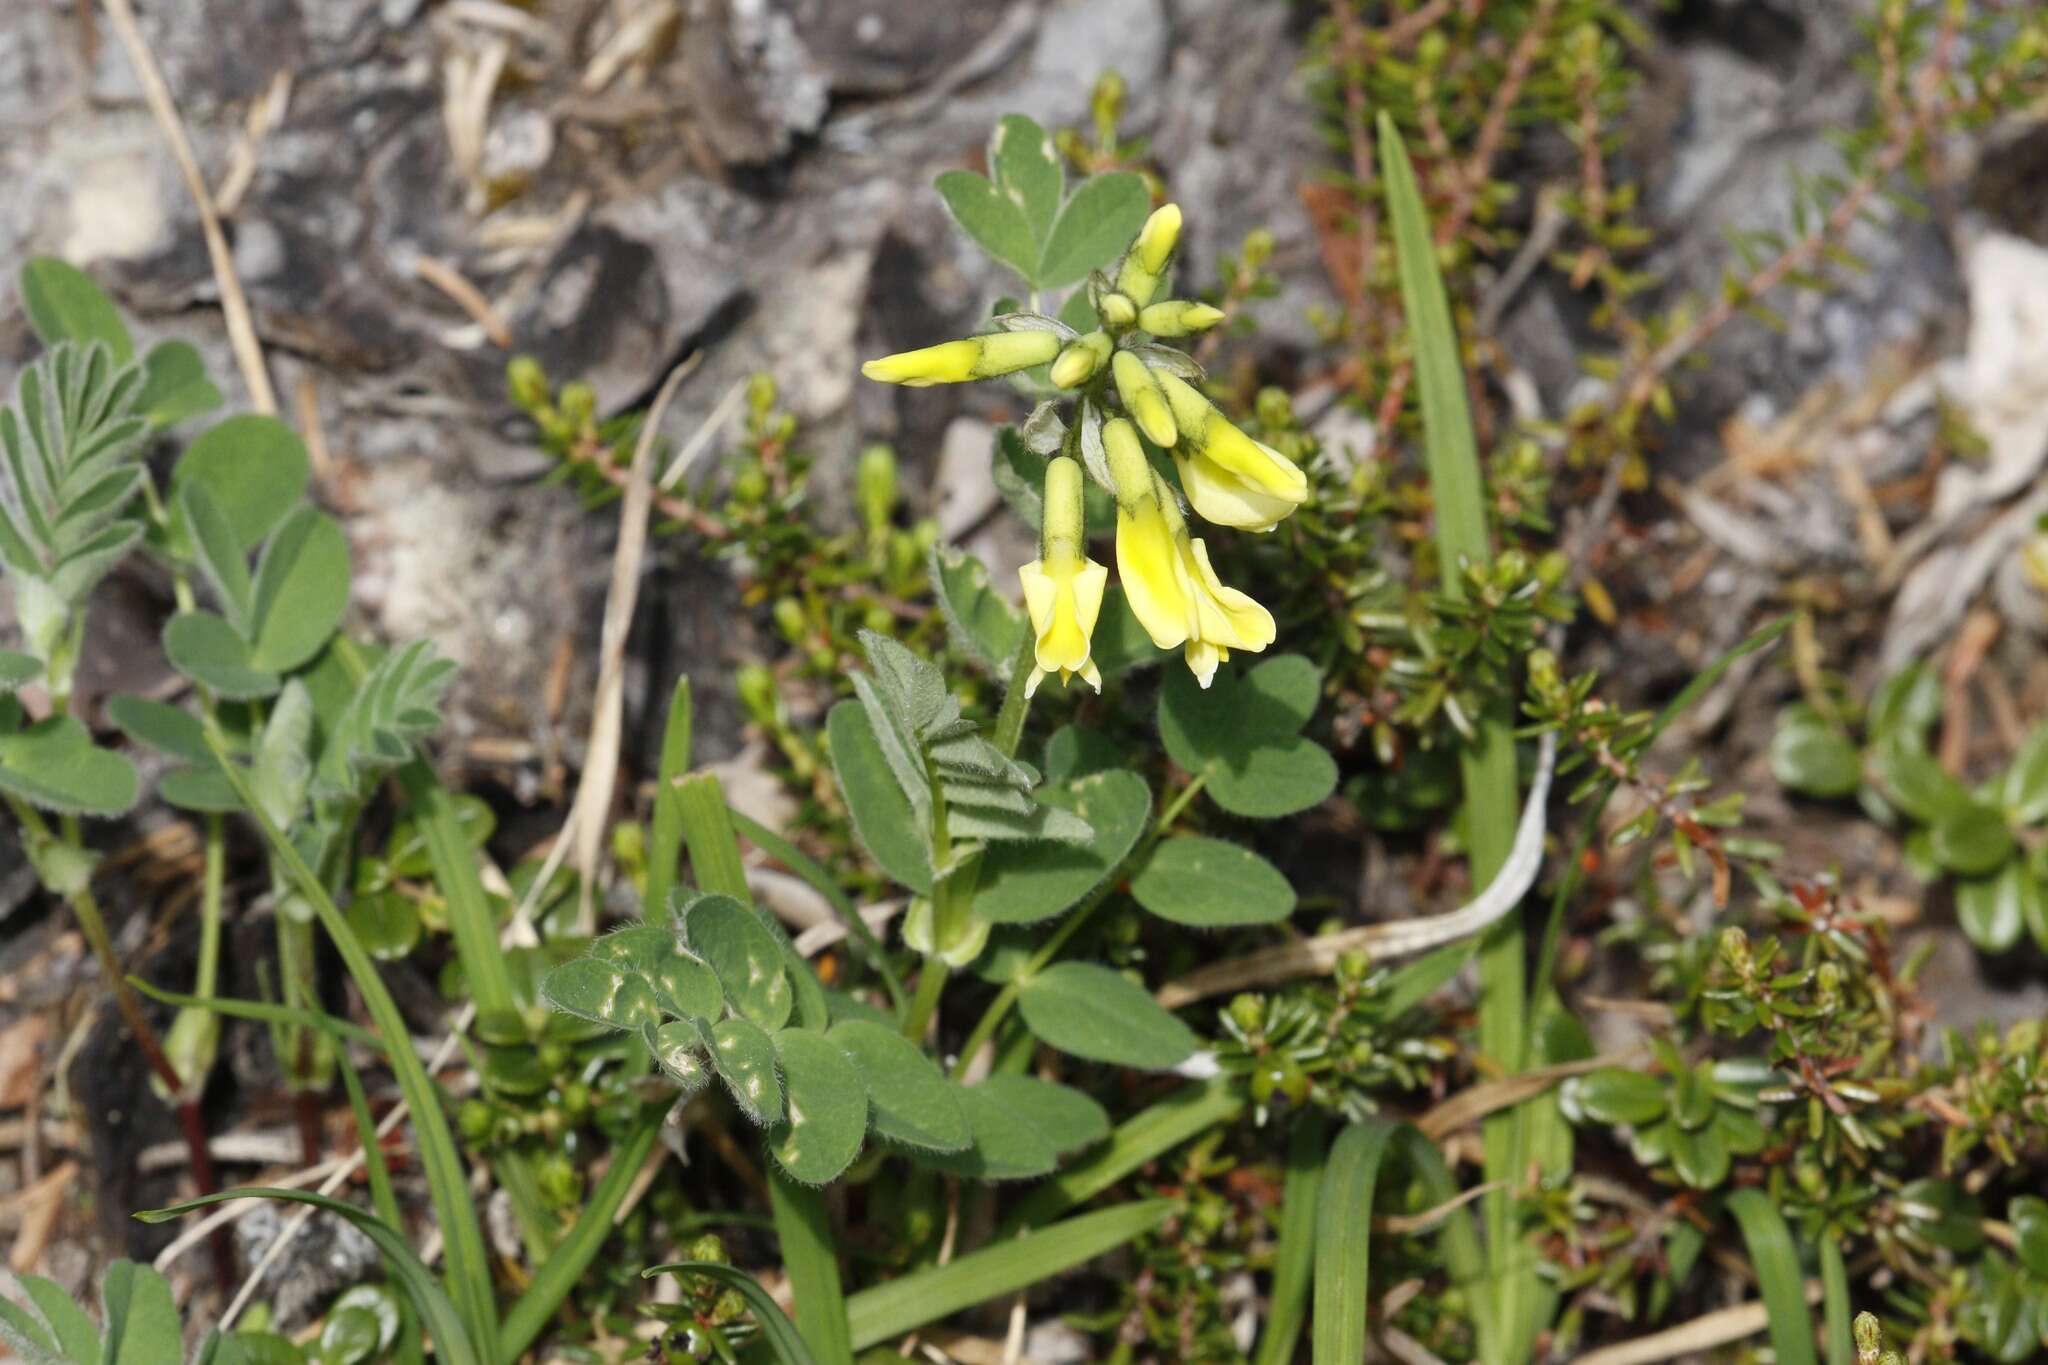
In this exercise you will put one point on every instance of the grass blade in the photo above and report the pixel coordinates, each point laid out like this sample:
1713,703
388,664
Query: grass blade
1778,1275
1487,763
406,1351
707,829
926,1296
1343,1235
469,1266
1137,1140
470,921
804,1227
665,828
1295,1261
453,1341
776,1330
1834,1282
262,1011
579,1247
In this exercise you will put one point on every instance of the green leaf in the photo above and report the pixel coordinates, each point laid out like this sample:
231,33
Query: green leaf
910,1100
882,816
387,922
744,1055
993,220
1210,884
1942,1213
206,649
602,992
175,386
55,766
254,467
1094,227
16,669
1810,756
395,706
1993,909
1067,1118
1027,169
678,1048
71,1333
746,957
2025,788
685,985
981,621
828,1108
1916,784
1240,733
2028,1214
1970,840
63,304
1004,1143
1905,704
1778,1274
1612,1095
1025,883
810,1258
141,1317
1086,1010
923,1297
776,1329
220,555
301,590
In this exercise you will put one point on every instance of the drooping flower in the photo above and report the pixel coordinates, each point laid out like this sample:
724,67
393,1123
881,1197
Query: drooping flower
1231,479
1138,385
1167,577
1063,587
956,362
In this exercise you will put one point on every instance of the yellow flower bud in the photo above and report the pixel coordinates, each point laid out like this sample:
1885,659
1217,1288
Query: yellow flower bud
1116,311
1062,587
1077,363
1178,318
955,362
1231,479
1144,265
1138,386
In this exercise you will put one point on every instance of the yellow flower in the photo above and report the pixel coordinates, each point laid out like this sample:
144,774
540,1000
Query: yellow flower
1063,587
1139,388
1231,479
1144,265
1167,577
955,362
1080,359
1178,318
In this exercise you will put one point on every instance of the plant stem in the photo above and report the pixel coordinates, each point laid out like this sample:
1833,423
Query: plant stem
931,982
211,887
86,908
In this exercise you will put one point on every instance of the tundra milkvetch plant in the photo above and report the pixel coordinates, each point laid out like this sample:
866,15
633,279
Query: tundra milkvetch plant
1227,477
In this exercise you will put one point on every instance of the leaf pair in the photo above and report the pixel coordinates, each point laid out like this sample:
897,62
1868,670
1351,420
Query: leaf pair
55,766
1024,218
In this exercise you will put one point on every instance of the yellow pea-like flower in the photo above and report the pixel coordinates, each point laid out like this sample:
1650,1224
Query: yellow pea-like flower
1178,318
1143,398
1231,479
1078,361
1144,265
1063,587
1167,577
956,362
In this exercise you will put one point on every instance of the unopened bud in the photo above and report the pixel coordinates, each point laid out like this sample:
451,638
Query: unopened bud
527,381
1179,318
875,487
1077,363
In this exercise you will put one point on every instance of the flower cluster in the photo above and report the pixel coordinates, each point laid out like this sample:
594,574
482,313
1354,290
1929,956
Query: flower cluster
1224,475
